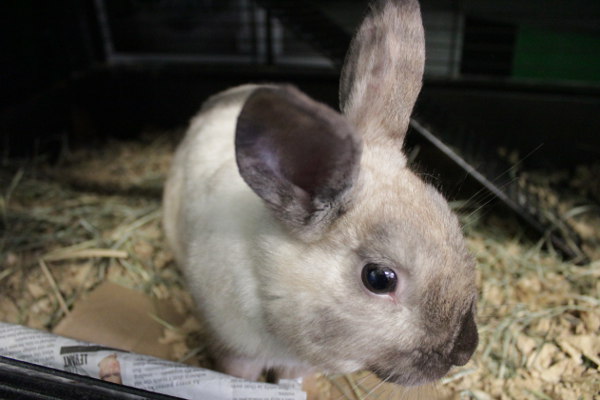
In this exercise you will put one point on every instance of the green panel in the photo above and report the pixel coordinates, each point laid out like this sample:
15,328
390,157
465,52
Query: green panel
547,54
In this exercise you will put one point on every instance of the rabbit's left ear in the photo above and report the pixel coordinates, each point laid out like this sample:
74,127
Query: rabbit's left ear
382,74
301,157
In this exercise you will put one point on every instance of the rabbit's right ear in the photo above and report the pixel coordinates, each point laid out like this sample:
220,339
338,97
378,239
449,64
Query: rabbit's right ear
301,157
382,74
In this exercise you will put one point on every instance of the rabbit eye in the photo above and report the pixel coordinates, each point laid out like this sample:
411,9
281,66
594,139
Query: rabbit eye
379,279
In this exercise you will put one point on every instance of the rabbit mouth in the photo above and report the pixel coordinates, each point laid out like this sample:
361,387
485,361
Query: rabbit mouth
413,378
413,368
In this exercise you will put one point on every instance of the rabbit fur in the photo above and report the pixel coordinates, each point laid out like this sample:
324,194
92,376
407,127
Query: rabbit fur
275,203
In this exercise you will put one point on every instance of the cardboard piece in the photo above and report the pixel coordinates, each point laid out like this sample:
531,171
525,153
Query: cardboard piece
114,316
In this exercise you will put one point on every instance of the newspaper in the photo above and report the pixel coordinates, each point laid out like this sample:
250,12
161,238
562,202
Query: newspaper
140,371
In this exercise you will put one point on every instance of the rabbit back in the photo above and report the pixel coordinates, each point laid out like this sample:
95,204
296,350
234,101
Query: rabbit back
209,216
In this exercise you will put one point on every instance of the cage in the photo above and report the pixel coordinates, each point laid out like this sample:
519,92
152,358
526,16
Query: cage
510,104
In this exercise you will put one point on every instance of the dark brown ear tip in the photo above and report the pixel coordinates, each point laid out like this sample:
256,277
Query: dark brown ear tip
271,92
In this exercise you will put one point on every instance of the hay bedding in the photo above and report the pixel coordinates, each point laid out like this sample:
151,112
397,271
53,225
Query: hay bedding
95,216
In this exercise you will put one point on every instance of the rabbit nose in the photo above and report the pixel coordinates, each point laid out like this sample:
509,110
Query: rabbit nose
466,341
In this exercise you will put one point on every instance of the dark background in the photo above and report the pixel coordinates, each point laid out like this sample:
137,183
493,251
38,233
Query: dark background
516,74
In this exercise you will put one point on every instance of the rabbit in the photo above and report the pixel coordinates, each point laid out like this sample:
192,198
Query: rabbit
306,241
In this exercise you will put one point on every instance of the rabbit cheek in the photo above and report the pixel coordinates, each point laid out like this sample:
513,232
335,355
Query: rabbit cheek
327,341
323,342
327,329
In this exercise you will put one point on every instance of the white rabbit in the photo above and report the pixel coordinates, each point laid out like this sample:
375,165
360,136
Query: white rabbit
306,241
